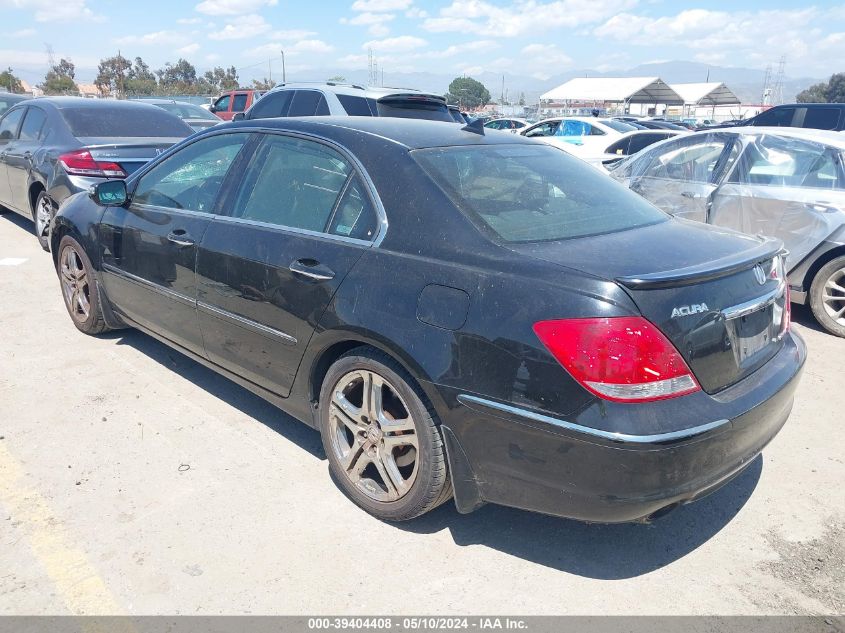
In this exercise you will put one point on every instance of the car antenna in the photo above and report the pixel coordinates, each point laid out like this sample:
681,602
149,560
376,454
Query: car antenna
476,127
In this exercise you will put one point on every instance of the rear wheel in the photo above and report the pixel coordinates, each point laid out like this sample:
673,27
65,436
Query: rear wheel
42,216
382,442
79,287
827,296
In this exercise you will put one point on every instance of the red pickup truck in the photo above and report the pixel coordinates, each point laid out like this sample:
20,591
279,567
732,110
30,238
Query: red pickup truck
228,104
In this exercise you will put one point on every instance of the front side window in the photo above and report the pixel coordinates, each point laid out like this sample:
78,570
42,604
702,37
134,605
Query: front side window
691,162
544,129
305,103
529,193
788,162
272,105
776,117
191,178
239,103
222,104
9,125
295,183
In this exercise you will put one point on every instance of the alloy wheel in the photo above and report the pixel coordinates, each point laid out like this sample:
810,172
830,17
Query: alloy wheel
75,286
373,435
833,296
43,215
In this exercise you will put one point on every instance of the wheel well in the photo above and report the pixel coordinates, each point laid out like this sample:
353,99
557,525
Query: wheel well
821,261
34,190
326,360
56,237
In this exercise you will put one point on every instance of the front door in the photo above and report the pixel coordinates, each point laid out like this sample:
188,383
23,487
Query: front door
150,248
9,125
297,221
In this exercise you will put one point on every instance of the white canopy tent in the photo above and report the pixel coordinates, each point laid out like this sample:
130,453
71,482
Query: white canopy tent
616,90
706,94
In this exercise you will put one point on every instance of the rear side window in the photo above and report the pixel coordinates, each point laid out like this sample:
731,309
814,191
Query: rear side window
355,106
414,108
305,103
292,182
354,215
105,121
239,104
528,193
32,124
9,125
222,104
822,118
787,162
272,105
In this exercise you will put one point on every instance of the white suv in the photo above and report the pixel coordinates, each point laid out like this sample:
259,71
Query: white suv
330,99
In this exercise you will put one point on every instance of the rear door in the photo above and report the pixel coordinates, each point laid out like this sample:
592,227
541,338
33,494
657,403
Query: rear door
19,157
9,126
299,218
787,188
681,177
149,249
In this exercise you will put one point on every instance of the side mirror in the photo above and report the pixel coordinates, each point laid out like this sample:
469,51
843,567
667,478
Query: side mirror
111,193
212,108
239,116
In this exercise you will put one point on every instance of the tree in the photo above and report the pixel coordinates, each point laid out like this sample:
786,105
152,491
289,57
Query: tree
59,79
10,82
140,80
831,92
522,98
220,80
262,84
179,78
468,93
112,73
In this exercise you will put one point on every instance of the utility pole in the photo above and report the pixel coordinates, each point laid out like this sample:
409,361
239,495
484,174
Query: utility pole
270,66
284,75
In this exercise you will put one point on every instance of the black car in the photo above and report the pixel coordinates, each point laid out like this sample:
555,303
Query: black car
483,316
53,147
817,116
8,99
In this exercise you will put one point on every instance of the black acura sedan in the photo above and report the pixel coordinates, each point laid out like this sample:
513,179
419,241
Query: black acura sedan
484,317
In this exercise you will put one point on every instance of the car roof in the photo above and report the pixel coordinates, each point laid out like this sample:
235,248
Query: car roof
374,92
828,137
63,103
409,133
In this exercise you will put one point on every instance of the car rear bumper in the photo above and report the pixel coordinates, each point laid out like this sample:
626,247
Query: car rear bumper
521,458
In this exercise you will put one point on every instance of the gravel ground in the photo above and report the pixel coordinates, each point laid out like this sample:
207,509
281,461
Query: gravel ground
135,481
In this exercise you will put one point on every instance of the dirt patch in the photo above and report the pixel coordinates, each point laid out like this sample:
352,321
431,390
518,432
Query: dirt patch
815,568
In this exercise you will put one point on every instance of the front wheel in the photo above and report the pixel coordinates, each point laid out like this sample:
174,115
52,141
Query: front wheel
79,287
42,216
827,296
382,442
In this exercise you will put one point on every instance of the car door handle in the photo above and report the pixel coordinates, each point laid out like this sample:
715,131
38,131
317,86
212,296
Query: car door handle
180,238
312,269
693,195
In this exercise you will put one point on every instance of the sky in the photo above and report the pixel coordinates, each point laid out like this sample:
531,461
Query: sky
536,38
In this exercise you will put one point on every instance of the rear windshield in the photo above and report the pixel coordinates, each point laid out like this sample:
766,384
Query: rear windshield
414,108
620,126
526,193
136,122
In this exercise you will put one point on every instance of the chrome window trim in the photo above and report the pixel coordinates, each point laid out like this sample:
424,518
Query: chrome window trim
290,229
158,209
249,323
167,292
749,307
622,438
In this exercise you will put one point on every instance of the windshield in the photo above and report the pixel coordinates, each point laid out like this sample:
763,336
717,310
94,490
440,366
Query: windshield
143,121
620,126
188,111
528,193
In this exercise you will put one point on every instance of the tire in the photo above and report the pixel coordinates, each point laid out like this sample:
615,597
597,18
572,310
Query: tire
79,287
42,217
394,467
827,296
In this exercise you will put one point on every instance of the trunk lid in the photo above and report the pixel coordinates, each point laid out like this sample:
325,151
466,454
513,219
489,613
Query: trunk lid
130,153
697,284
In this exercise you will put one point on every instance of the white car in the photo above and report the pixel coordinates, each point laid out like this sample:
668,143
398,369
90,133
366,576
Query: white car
578,135
624,146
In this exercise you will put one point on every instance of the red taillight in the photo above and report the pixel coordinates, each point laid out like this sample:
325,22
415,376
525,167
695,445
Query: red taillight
81,163
623,359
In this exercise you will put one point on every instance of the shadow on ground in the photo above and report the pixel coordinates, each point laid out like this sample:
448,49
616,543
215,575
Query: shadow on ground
593,551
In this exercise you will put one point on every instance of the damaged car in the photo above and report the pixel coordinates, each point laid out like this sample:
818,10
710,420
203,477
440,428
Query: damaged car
784,183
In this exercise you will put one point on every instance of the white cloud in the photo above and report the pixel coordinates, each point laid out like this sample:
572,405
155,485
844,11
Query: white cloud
415,13
20,33
212,57
524,17
291,35
233,7
400,44
190,49
157,38
51,11
376,22
381,5
315,47
190,21
241,27
460,49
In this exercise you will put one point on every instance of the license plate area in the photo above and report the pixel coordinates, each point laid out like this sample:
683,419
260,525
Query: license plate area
754,335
